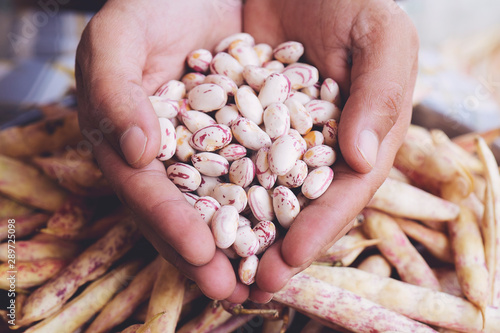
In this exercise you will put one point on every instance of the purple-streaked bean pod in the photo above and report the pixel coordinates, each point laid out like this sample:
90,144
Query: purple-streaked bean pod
244,53
210,164
322,111
246,243
266,233
164,107
314,138
242,172
284,152
196,120
207,97
276,89
299,96
233,152
173,89
274,66
206,206
264,174
330,132
249,104
311,91
302,143
168,142
184,176
330,91
199,60
303,201
286,205
255,76
224,44
301,75
207,185
190,197
243,221
249,134
224,226
317,182
288,52
192,80
264,52
296,176
261,203
319,156
183,150
224,82
211,138
231,195
276,120
227,114
300,118
224,64
247,269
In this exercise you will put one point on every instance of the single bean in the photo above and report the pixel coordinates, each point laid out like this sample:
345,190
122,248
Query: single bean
286,206
173,89
199,60
184,176
224,226
317,182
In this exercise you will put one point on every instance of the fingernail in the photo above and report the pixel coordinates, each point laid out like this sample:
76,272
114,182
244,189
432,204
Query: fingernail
133,143
368,147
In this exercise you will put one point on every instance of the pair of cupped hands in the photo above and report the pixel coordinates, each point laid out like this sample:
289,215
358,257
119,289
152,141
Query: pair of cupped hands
131,47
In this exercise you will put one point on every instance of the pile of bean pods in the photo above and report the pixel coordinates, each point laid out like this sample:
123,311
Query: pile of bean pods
249,137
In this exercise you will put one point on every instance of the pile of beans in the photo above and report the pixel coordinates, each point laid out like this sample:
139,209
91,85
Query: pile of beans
249,137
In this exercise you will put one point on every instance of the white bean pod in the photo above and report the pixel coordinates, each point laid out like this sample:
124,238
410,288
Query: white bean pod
330,91
210,164
249,134
249,104
264,174
242,172
266,233
276,89
244,53
286,206
301,75
206,206
173,89
224,64
243,221
184,176
190,197
311,91
284,152
224,82
299,96
233,152
248,269
261,203
330,132
192,80
255,76
296,176
288,52
274,66
246,243
164,107
196,120
224,226
207,185
300,118
227,114
314,138
211,138
207,97
231,195
168,142
264,52
322,111
224,44
183,151
276,120
318,156
317,182
199,60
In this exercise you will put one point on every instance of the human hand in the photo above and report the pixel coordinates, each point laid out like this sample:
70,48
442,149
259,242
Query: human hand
370,49
127,51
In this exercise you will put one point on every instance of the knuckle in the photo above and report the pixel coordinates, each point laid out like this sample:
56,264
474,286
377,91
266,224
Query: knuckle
391,101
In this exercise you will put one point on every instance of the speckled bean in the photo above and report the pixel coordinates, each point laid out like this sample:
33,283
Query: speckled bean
207,185
261,203
296,176
227,114
299,96
288,52
224,82
247,269
184,176
264,52
231,194
173,89
224,44
242,172
246,243
317,182
330,132
276,120
190,197
330,91
210,164
314,138
266,233
211,138
301,75
276,89
286,206
199,60
318,156
300,118
255,76
322,111
249,104
264,175
233,152
244,53
284,152
183,151
243,221
249,134
311,91
207,97
224,226
168,142
274,66
300,139
164,107
196,120
206,206
224,64
192,80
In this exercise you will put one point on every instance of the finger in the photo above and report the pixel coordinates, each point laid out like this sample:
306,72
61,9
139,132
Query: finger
158,203
259,296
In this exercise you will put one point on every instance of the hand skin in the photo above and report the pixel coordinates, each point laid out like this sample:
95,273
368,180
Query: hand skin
131,47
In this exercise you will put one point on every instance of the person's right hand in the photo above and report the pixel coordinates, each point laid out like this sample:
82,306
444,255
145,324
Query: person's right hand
127,51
